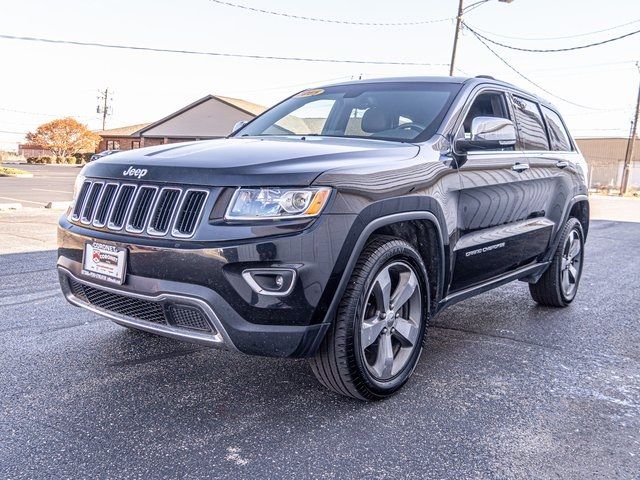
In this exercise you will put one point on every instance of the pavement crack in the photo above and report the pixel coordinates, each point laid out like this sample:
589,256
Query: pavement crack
154,358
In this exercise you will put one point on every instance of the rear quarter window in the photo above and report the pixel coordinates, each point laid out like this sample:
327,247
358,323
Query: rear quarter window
557,132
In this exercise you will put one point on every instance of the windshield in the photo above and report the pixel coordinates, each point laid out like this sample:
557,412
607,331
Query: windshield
401,111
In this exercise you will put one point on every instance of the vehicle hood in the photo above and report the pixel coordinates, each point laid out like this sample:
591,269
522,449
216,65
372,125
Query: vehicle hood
286,161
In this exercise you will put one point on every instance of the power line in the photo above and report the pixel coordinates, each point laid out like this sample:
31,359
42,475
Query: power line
329,20
43,114
216,54
551,50
527,78
563,37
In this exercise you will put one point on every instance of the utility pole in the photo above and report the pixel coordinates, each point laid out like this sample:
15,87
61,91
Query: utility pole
455,38
104,106
461,10
628,157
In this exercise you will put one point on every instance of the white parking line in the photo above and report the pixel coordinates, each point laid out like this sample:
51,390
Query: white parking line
56,191
20,200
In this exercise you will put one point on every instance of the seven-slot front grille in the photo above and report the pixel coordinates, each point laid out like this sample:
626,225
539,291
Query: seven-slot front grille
139,209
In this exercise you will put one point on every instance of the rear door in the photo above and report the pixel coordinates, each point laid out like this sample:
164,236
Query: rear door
499,230
554,171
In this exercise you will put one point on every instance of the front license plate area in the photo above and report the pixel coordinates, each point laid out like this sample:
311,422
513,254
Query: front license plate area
105,262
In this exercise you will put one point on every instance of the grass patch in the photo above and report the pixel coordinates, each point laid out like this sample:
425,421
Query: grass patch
12,171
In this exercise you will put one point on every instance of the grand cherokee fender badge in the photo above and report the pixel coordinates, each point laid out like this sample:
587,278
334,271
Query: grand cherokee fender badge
135,172
484,249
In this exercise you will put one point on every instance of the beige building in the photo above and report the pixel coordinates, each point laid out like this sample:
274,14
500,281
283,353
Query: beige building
212,116
605,156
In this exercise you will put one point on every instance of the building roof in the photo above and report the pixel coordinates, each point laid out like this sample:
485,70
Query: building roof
244,106
121,131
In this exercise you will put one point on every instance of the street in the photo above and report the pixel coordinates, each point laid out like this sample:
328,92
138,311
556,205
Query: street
504,389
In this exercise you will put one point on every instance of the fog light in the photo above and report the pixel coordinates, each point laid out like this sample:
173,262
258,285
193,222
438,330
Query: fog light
276,282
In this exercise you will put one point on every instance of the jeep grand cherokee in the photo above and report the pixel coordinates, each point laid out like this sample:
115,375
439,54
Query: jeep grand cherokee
334,225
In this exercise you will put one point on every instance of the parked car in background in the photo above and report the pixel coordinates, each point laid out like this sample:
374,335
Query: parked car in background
335,225
104,153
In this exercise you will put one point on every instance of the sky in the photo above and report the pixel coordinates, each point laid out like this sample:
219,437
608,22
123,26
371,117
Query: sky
40,81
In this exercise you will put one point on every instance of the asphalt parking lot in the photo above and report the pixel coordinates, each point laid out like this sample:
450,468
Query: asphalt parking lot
50,183
504,389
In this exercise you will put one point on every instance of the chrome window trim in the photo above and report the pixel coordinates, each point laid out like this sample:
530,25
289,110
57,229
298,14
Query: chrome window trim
174,232
127,224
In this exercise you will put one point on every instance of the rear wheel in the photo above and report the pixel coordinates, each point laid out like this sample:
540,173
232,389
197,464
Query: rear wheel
558,285
376,338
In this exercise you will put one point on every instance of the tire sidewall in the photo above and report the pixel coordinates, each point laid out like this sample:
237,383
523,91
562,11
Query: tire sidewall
402,252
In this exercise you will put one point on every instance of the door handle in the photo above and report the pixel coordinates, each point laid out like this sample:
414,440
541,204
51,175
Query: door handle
562,164
520,167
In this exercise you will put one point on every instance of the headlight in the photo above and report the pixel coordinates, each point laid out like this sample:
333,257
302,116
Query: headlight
275,203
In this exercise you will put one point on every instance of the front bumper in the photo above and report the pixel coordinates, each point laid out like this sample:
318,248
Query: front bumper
207,281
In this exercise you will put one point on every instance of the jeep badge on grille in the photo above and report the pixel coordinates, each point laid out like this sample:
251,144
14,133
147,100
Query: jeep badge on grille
135,172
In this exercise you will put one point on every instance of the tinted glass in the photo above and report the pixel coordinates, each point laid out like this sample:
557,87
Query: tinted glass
529,123
557,133
402,111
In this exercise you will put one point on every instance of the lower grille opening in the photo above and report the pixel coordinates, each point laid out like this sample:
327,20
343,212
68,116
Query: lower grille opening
163,313
188,317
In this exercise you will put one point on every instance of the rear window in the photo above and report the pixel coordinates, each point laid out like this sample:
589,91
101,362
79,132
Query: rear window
530,125
557,133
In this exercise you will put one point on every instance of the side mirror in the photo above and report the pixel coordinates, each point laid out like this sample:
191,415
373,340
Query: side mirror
488,133
238,126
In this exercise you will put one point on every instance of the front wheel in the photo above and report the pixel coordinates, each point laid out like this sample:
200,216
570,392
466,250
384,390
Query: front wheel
376,338
558,285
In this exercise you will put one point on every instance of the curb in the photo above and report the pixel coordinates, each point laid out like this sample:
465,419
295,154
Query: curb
57,205
17,175
5,207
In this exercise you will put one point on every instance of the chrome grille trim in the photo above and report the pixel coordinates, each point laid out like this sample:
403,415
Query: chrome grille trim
96,222
80,200
174,231
170,211
151,230
91,202
136,209
111,225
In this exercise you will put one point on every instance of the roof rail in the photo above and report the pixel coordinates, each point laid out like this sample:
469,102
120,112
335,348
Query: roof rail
486,76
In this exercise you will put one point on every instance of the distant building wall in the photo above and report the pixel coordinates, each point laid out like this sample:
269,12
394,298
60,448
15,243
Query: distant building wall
605,157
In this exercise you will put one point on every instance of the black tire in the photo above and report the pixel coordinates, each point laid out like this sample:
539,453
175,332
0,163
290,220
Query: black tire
339,363
548,290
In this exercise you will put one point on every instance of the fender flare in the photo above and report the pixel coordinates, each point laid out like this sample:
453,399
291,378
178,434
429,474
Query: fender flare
362,240
565,216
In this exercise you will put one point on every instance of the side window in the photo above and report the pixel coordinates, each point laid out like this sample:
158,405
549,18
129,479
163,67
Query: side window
557,133
529,123
490,104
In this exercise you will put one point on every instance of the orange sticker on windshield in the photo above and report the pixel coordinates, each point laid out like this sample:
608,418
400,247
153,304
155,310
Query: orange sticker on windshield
310,93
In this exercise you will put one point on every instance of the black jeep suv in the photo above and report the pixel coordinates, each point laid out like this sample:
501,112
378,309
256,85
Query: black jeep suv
334,225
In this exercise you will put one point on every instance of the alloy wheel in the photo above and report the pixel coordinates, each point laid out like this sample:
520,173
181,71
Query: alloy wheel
570,266
390,322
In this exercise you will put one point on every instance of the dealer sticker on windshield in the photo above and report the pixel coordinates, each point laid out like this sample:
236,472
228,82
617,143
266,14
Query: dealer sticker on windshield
310,93
105,262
